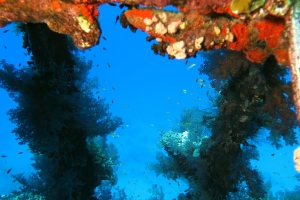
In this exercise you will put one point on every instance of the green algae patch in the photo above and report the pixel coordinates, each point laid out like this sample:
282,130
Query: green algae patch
245,6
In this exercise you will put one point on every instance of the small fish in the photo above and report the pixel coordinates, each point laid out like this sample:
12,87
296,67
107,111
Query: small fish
108,64
113,88
25,54
117,19
112,101
184,91
94,55
104,48
187,61
191,66
126,106
121,6
3,156
207,93
5,31
112,4
104,88
8,171
199,80
5,47
178,102
272,154
20,152
104,38
97,65
169,98
19,64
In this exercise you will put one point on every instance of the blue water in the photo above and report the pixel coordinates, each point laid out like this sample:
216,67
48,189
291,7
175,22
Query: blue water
148,95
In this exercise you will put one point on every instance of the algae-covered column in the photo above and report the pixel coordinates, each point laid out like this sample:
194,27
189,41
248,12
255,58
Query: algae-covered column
58,118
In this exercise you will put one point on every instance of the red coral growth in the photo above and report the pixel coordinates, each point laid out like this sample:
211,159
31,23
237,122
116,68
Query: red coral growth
89,11
241,32
77,20
267,38
137,17
142,14
258,38
224,30
273,32
256,55
282,56
268,32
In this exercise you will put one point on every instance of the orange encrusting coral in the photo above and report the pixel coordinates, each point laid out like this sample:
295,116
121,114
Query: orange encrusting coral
56,5
167,38
136,17
258,38
270,30
89,11
241,32
282,56
256,55
224,29
140,13
273,33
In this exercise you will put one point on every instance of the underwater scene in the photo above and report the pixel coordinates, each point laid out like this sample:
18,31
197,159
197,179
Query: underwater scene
150,100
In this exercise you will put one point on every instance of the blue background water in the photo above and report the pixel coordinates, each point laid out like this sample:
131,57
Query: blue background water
148,96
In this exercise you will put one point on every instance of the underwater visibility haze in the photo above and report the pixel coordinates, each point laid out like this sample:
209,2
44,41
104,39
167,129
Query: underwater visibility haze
167,100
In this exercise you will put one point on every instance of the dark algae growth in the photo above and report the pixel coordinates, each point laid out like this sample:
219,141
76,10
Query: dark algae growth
213,150
64,126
